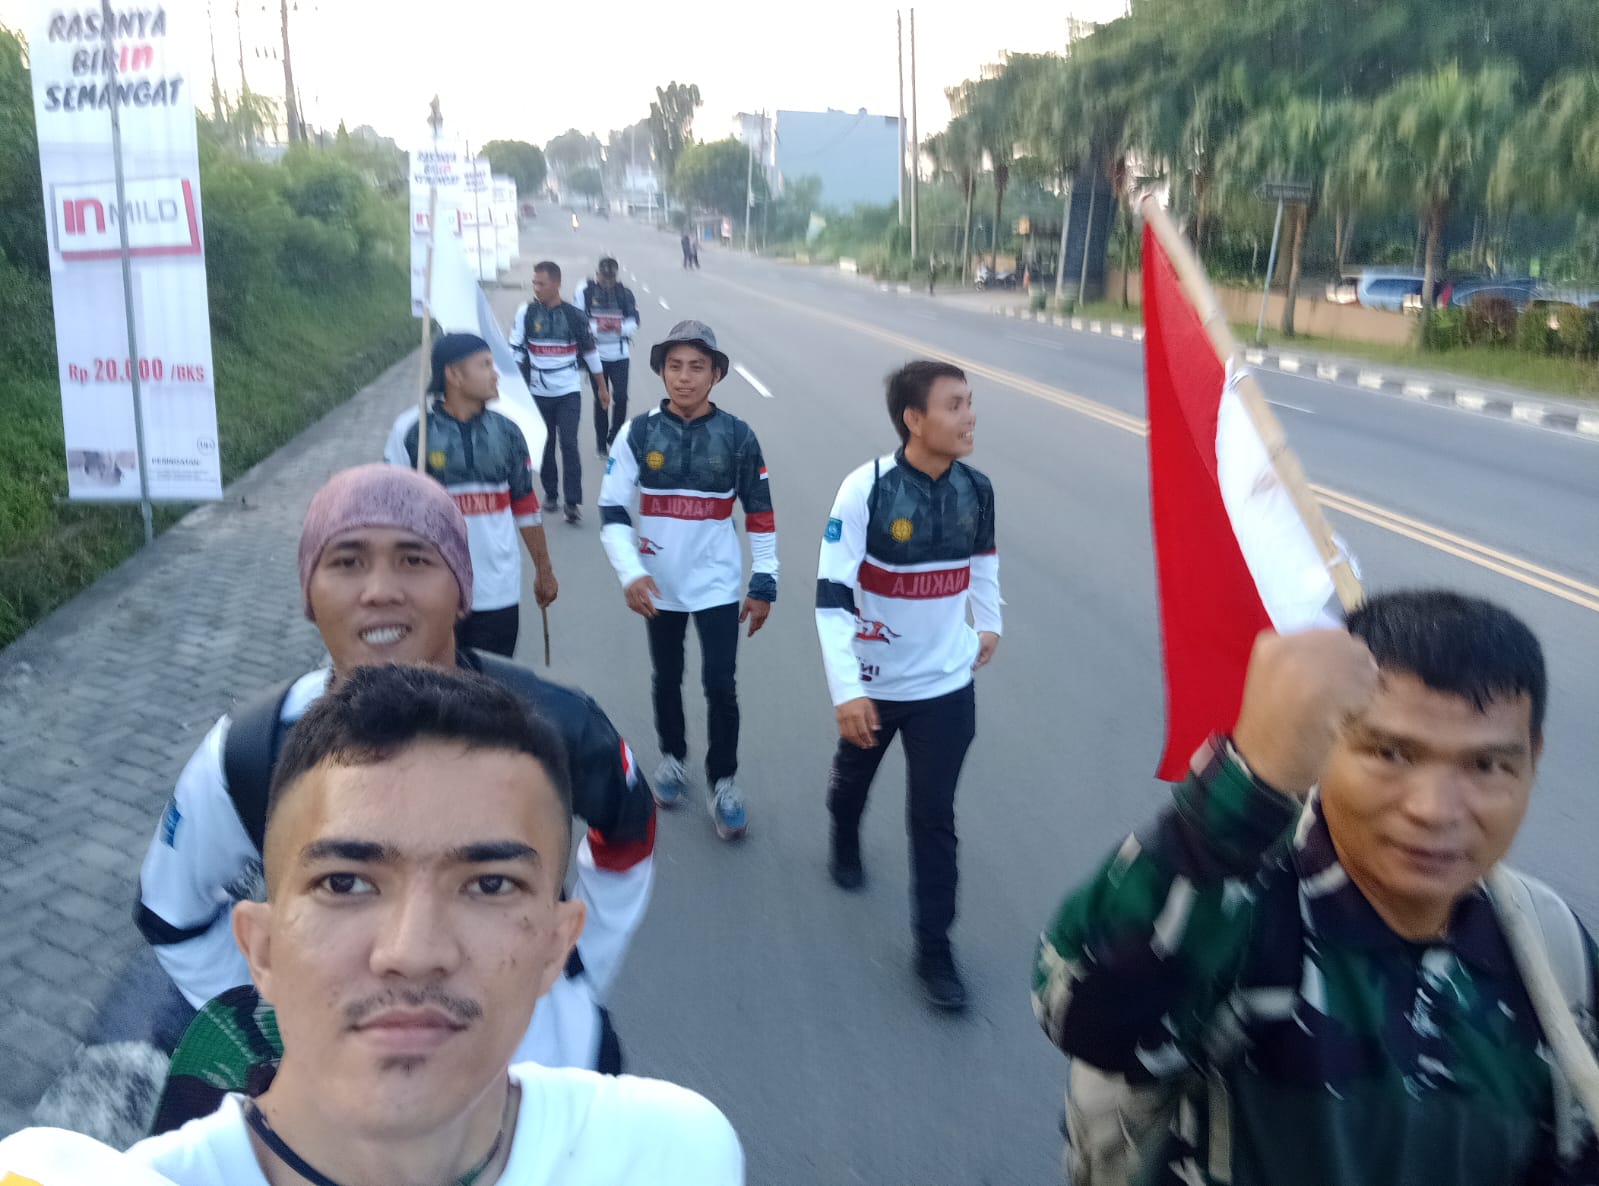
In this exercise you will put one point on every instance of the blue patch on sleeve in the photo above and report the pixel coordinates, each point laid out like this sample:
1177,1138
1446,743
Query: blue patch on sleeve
610,464
834,532
170,820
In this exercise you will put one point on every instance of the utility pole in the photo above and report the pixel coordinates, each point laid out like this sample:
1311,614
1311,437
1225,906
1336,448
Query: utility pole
216,83
749,186
899,45
291,105
916,148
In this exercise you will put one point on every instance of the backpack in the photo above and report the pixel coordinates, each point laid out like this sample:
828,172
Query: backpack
1113,1128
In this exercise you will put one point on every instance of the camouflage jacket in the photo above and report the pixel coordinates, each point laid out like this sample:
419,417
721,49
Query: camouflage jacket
1224,950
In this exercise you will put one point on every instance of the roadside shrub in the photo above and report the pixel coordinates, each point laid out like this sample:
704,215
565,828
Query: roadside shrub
1445,329
1533,335
1039,301
1572,331
1490,321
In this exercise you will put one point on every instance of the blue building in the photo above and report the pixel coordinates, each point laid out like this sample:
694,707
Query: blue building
855,154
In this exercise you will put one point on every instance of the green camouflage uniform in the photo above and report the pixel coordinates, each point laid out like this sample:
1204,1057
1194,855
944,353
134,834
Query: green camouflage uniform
1224,952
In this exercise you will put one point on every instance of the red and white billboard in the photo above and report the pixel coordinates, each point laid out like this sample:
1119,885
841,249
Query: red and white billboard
146,75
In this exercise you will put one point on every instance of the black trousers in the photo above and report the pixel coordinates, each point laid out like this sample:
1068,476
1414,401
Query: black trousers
490,630
616,380
718,631
936,733
561,416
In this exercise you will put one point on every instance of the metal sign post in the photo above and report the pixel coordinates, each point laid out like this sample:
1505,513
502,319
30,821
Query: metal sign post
109,25
1297,192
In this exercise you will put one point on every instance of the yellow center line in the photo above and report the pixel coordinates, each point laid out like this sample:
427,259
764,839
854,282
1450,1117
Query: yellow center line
1525,572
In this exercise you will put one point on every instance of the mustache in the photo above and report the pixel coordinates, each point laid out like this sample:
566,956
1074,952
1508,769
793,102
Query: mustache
460,1009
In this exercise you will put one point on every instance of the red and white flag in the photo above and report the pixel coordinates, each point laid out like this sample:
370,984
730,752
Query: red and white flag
1232,553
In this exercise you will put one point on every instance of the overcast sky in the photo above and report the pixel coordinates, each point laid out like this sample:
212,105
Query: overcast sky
509,69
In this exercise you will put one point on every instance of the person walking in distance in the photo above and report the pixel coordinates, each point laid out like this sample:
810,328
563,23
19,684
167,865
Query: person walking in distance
613,319
552,343
908,550
482,459
688,251
686,462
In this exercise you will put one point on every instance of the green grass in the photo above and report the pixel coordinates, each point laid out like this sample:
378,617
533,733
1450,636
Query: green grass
303,355
1574,378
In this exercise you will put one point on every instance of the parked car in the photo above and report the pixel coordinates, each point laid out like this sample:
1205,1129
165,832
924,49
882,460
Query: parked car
1518,290
1344,291
1387,288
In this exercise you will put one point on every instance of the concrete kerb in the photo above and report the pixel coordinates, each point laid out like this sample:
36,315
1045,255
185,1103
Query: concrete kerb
1558,417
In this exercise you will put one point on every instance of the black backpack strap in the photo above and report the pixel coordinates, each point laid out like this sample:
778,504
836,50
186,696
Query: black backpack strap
255,734
871,495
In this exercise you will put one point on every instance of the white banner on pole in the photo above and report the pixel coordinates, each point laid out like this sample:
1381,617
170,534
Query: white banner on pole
73,90
504,221
478,234
442,166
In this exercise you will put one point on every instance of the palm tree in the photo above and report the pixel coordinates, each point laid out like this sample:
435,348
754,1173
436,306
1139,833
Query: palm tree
1551,162
1296,139
1434,140
1051,132
955,151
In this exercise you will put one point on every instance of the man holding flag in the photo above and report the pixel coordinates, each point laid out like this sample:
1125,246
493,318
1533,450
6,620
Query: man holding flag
1312,968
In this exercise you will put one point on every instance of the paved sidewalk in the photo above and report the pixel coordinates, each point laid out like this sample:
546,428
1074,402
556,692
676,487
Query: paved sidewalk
102,703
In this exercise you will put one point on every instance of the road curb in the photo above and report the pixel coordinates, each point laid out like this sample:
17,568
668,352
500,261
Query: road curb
1557,417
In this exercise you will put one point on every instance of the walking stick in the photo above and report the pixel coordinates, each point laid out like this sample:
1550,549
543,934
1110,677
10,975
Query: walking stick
545,614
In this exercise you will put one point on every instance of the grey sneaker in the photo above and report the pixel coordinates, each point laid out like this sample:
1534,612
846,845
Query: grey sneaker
671,781
727,810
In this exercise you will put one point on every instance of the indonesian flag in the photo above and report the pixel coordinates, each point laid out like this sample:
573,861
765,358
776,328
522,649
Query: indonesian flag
1233,557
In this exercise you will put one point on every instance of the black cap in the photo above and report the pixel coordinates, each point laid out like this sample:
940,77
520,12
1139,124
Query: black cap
608,266
449,350
689,333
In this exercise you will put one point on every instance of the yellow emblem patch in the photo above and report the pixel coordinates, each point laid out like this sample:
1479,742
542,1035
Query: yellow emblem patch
901,529
655,459
17,1180
436,459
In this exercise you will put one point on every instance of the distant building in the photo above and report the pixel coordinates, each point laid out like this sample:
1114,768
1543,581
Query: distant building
855,154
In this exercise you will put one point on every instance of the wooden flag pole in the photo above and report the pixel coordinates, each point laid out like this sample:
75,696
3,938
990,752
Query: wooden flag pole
1523,931
544,613
1191,275
436,120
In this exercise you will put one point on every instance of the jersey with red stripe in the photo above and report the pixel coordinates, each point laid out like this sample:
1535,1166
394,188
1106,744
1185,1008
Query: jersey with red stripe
553,345
485,465
687,475
904,557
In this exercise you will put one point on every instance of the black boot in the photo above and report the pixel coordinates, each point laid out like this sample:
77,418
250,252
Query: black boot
845,862
941,981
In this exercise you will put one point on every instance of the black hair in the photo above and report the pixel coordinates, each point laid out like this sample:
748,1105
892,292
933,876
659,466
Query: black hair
550,268
909,386
607,264
377,712
1461,645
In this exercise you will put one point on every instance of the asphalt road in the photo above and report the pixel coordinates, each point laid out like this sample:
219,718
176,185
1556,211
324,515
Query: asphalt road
791,1004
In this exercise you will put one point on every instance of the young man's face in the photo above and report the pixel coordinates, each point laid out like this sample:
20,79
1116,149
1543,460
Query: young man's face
689,375
1425,792
946,428
474,377
413,917
546,288
381,595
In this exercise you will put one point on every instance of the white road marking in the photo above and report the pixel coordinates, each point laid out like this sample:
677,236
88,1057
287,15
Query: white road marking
664,305
1277,403
760,388
1036,342
645,287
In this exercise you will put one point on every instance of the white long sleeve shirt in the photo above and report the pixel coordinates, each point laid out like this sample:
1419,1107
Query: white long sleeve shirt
686,476
904,558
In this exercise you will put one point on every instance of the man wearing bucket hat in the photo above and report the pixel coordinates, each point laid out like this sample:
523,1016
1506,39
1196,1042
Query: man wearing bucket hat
686,462
481,458
613,318
385,573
